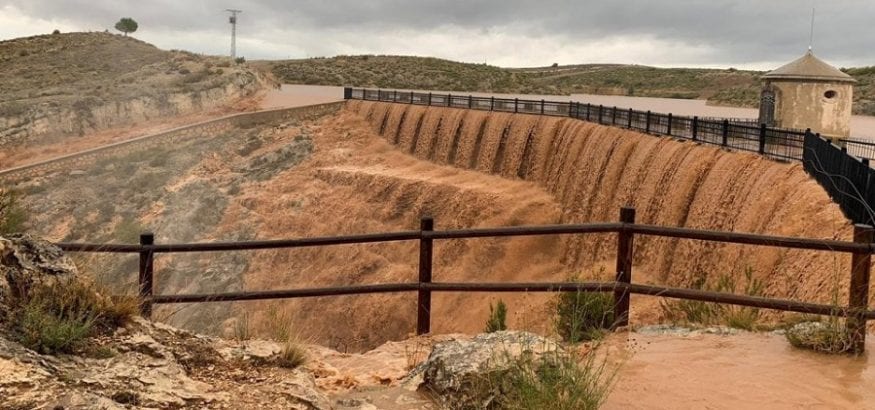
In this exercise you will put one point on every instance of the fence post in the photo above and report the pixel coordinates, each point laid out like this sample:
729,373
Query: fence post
614,116
492,103
516,105
347,93
395,96
588,110
449,100
429,99
647,122
542,107
600,113
668,128
858,296
624,267
146,273
695,126
725,132
423,311
762,138
470,101
411,97
630,119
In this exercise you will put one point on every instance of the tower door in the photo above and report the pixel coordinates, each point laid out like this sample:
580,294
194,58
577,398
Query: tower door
767,107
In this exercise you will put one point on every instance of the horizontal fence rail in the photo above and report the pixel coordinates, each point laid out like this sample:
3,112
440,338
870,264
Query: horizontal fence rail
841,166
856,311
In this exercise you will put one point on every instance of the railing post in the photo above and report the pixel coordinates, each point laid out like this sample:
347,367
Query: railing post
695,127
347,93
542,107
614,116
470,101
647,122
516,105
629,125
624,267
423,311
429,99
762,149
492,103
395,96
668,128
145,278
411,97
725,132
858,296
588,110
449,100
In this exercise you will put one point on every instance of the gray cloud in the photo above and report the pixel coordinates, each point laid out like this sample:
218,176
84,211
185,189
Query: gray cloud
511,32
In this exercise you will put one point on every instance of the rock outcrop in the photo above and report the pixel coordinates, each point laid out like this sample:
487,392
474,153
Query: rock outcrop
25,262
456,368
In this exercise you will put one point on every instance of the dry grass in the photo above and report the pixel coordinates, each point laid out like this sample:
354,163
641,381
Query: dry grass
710,314
292,355
555,381
58,319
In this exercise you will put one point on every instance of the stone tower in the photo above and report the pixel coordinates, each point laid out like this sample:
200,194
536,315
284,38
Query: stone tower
808,93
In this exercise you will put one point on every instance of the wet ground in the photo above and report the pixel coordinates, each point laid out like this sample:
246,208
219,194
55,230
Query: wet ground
743,371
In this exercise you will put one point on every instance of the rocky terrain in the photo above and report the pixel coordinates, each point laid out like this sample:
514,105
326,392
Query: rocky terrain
69,85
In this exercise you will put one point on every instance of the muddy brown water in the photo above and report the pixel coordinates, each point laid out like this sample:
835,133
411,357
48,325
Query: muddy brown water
745,371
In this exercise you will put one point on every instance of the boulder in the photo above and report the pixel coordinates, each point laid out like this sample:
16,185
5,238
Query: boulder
454,368
26,262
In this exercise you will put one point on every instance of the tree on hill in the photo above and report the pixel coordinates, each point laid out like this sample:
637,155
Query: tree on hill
126,25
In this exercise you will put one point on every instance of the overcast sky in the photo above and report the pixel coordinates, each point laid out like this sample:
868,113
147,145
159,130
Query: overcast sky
704,33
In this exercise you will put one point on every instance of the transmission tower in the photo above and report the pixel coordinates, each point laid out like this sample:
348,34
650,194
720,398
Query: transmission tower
233,21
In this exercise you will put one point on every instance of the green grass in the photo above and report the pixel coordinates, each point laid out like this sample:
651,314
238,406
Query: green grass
13,215
497,317
59,319
710,314
553,381
583,316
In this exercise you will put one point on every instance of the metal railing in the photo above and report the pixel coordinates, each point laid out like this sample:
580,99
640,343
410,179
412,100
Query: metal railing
856,311
843,170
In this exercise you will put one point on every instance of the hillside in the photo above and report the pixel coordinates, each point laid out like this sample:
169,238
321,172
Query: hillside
70,84
720,87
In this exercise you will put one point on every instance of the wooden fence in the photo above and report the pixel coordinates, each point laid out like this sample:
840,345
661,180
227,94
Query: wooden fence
856,311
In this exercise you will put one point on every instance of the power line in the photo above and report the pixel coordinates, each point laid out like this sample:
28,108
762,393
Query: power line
233,21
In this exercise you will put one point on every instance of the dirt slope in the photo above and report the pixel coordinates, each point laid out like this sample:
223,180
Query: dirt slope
72,84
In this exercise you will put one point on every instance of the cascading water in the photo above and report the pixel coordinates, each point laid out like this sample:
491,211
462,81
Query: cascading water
593,170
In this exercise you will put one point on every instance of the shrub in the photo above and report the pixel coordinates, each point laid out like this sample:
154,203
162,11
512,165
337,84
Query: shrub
497,317
583,316
556,380
240,60
705,313
292,355
56,32
57,319
12,214
824,337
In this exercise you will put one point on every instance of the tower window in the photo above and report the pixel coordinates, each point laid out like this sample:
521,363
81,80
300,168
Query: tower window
830,94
